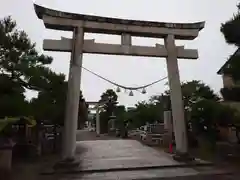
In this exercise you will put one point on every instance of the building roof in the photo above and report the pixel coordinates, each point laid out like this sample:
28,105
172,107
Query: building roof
236,53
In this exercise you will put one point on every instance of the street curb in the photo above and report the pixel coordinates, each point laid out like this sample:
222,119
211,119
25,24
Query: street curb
199,176
87,171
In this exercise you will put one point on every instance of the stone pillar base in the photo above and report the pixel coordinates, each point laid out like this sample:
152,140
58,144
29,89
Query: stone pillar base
183,157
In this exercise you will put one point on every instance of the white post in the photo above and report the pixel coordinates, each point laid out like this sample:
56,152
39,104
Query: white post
168,126
97,121
179,125
72,103
167,120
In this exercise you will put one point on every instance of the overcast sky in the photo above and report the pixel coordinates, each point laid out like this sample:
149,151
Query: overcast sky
134,71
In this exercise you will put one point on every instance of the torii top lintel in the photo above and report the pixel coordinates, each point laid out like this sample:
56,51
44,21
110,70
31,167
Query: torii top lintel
54,19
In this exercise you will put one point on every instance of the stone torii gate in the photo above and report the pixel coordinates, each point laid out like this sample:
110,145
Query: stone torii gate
79,24
97,107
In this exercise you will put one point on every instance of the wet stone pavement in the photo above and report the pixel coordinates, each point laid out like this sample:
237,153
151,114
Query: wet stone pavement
112,154
125,159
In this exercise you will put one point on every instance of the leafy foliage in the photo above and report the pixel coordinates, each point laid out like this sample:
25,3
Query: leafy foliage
207,115
195,91
19,59
203,110
50,105
231,29
152,111
12,101
146,112
22,67
109,98
120,113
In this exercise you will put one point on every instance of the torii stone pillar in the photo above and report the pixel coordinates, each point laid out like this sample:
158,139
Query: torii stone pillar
72,104
168,127
176,96
97,121
97,108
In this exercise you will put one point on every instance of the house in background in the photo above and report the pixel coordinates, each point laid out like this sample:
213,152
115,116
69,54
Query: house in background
231,88
228,81
230,93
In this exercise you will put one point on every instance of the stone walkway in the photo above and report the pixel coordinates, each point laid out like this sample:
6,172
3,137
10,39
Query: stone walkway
125,159
107,158
115,154
121,159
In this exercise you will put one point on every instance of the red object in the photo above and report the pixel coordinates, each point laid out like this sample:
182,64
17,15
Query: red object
170,148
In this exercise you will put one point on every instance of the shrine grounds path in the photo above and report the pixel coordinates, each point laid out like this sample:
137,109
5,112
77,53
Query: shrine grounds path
110,158
107,157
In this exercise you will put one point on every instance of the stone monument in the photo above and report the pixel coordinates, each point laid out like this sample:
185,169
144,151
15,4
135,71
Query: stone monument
79,24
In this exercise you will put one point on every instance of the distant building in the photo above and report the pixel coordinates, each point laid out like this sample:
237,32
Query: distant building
130,108
228,81
230,88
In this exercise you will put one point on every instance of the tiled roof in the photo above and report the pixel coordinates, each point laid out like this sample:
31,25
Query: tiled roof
237,53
